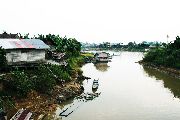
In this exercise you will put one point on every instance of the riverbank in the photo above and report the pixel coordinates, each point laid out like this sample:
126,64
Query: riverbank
171,71
42,105
41,89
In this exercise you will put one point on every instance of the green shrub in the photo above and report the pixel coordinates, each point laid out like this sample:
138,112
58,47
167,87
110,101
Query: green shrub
45,81
20,83
3,61
168,56
59,72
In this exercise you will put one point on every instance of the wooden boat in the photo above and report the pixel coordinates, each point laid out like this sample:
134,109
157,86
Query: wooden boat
95,84
22,114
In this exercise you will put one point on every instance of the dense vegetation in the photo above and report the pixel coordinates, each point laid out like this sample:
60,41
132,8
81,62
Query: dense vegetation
70,46
44,77
131,46
2,57
62,44
166,55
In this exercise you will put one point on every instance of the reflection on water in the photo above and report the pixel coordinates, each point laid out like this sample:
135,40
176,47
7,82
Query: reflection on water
101,66
173,84
78,102
72,105
128,92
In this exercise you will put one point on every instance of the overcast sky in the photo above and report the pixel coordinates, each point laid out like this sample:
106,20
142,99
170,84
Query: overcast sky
94,20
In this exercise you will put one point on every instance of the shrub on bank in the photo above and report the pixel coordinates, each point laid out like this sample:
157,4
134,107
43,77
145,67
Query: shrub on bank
59,72
42,79
169,55
20,83
3,61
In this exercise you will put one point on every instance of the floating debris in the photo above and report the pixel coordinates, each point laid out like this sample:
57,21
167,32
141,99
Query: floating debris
69,110
79,101
89,96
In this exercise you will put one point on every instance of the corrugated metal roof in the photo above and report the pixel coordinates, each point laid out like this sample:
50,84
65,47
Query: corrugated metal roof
37,43
101,54
23,43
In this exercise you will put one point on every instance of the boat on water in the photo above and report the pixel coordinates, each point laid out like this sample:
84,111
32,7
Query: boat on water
95,84
110,57
101,57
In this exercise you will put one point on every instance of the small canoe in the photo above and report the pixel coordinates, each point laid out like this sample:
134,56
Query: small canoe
95,84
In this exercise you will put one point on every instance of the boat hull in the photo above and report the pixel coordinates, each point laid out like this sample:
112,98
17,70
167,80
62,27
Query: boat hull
95,84
95,87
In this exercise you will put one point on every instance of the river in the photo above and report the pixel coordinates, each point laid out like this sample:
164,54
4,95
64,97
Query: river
128,90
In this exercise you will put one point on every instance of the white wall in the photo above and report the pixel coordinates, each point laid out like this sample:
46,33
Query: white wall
21,56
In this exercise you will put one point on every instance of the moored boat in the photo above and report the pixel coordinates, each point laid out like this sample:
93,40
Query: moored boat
95,84
101,57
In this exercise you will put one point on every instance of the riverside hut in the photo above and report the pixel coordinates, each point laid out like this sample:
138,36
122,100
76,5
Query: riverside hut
101,57
24,51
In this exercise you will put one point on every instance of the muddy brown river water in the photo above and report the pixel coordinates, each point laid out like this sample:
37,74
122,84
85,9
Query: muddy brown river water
128,90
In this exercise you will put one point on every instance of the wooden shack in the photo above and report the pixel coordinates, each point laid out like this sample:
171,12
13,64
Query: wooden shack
24,51
101,57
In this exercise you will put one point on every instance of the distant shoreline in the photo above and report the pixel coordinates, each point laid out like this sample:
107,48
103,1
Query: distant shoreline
119,50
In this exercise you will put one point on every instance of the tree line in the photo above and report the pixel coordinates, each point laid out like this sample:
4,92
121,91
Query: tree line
167,55
131,46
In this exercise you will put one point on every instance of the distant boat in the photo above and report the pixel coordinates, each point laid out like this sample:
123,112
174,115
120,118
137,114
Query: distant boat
101,57
95,84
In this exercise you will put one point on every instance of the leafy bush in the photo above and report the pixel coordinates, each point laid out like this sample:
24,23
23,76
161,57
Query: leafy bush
167,56
45,81
59,72
70,46
3,61
45,77
20,83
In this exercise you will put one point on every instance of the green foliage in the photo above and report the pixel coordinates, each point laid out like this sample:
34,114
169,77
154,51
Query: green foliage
89,55
60,72
6,103
75,62
131,46
41,80
169,55
70,46
45,77
2,57
44,80
20,83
